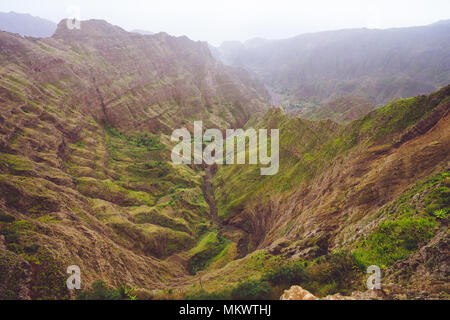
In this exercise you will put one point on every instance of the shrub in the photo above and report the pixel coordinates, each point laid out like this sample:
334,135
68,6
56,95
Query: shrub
394,240
251,290
100,291
333,273
441,214
201,260
289,275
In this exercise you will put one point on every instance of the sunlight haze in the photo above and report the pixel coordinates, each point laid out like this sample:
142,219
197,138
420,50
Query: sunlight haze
218,21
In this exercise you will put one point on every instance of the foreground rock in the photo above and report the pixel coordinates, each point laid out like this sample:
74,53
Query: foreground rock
387,292
297,293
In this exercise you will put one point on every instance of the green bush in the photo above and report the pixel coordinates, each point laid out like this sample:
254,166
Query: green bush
341,266
200,260
336,272
395,240
100,291
441,214
293,274
251,290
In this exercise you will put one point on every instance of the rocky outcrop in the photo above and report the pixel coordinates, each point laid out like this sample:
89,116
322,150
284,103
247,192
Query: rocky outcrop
298,293
387,292
426,272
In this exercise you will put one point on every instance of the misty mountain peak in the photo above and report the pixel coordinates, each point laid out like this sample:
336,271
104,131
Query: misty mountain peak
88,29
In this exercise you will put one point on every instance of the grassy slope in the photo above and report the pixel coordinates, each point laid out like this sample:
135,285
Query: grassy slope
307,147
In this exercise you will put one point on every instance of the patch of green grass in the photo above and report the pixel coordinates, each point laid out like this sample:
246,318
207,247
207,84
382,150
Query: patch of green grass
411,221
245,290
150,142
293,273
15,163
209,246
251,290
100,291
394,240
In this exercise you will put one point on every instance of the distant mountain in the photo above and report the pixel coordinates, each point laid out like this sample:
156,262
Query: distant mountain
26,25
442,22
377,65
143,32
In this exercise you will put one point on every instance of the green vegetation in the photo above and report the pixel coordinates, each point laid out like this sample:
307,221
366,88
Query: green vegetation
150,142
394,240
293,273
308,147
208,248
50,279
251,290
100,291
245,290
67,179
408,224
338,272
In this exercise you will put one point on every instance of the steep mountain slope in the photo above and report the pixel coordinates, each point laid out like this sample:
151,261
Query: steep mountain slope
376,65
86,179
26,25
85,171
340,184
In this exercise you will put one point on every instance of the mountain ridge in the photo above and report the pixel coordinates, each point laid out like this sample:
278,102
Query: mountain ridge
377,65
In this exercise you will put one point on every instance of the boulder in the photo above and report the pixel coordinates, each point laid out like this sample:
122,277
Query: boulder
297,293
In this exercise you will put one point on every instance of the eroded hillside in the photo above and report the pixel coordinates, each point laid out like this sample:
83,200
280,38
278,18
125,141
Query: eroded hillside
377,187
86,118
86,179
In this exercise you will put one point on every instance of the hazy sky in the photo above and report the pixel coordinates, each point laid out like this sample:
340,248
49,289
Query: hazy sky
216,21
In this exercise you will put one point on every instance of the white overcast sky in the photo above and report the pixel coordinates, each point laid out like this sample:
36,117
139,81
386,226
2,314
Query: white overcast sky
220,20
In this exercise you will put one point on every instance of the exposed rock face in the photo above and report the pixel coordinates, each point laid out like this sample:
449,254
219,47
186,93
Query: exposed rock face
426,272
298,293
388,292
